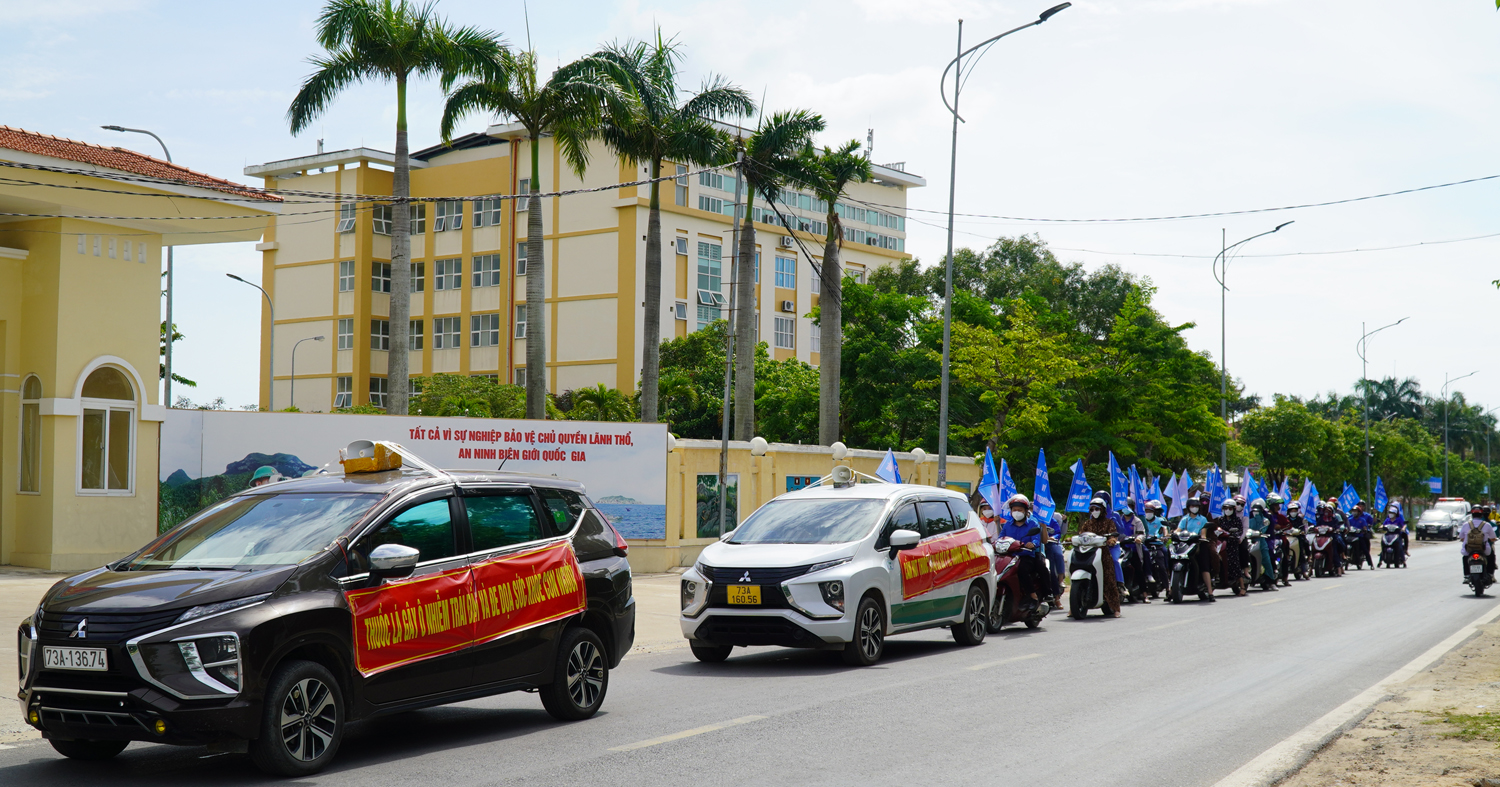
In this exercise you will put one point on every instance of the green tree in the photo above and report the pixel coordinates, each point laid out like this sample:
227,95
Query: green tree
390,40
660,125
775,155
1287,435
786,399
601,403
569,107
695,362
887,371
831,172
476,397
161,373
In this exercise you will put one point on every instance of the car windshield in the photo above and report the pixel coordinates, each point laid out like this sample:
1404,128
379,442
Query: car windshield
1433,515
1453,507
804,521
255,530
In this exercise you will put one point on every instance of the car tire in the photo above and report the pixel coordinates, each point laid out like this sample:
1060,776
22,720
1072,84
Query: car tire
710,654
88,751
868,644
976,618
580,677
306,693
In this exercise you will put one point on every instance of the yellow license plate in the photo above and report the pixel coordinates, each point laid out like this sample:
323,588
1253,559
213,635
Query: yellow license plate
744,594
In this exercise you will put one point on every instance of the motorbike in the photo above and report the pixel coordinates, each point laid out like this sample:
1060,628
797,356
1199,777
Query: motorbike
1391,553
1475,572
1263,558
1011,605
1133,566
1359,550
1225,541
1157,571
1186,578
1324,557
1086,566
1293,556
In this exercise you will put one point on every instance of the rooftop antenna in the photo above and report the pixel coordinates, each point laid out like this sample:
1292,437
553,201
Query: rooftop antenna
870,145
320,147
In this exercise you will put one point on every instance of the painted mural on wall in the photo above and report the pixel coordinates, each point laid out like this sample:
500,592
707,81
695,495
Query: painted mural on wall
207,455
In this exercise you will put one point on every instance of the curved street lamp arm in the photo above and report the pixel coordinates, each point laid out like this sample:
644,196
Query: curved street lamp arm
1359,346
1225,251
143,131
942,90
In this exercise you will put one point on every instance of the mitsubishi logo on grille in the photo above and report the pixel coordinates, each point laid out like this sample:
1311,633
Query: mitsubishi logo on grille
746,577
82,632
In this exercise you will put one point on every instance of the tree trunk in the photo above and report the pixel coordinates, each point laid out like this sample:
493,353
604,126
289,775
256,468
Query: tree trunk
651,328
400,312
744,324
536,295
831,339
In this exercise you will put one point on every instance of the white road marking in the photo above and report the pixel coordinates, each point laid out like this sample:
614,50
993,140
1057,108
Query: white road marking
1012,660
1263,603
1169,625
1287,757
677,736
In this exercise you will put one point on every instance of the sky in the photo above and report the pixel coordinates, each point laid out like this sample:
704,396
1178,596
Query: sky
1113,109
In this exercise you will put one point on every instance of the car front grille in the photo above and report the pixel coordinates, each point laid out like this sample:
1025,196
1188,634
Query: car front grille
756,630
96,719
752,576
103,627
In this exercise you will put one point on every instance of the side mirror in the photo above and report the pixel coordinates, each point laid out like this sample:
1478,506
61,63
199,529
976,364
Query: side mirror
393,561
1035,531
902,540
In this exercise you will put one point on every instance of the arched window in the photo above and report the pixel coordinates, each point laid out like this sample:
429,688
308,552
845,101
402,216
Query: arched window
107,439
31,434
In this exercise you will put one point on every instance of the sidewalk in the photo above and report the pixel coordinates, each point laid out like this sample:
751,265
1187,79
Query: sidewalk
1402,741
20,591
658,601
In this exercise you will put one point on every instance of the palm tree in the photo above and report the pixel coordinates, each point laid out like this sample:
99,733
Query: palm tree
569,106
659,126
775,154
833,171
601,403
390,40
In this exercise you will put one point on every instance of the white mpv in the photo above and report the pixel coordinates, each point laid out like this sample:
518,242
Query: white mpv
842,566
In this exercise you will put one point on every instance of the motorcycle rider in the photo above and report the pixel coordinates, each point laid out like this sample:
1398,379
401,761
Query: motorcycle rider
1229,528
1130,528
1057,528
1035,579
1361,526
1155,527
1478,522
1393,517
987,516
1194,522
1326,518
1262,522
1101,522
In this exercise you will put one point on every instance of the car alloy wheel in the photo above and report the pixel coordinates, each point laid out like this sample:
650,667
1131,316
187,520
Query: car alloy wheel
871,638
585,674
309,719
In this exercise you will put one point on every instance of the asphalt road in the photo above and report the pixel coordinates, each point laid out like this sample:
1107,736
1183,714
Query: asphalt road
1165,696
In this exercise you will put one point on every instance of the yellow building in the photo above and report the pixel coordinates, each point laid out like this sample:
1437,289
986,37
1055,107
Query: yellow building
80,299
329,272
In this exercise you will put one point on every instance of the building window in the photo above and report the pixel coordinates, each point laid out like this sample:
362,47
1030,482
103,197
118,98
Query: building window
786,273
344,394
381,215
682,246
786,336
681,187
414,335
494,378
346,217
814,336
31,435
524,187
419,218
484,330
107,439
680,310
857,274
521,258
377,391
380,334
815,282
445,333
713,180
418,276
380,277
346,276
757,267
125,250
140,252
710,204
450,216
487,270
710,282
487,213
521,376
450,274
346,334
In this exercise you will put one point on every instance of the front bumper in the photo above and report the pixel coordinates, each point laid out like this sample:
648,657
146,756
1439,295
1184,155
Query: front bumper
766,627
65,705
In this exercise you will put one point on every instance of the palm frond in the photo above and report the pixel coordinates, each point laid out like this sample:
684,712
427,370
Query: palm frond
330,77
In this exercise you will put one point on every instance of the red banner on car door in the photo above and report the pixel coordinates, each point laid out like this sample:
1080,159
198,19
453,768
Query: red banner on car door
942,561
411,620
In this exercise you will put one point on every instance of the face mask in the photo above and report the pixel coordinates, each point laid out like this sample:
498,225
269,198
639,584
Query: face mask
1095,513
1192,509
1018,515
1151,517
987,513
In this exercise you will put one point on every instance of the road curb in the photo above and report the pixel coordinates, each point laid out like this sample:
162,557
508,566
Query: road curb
1287,757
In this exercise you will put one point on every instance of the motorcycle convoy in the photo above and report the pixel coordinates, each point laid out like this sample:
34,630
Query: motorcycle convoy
1194,555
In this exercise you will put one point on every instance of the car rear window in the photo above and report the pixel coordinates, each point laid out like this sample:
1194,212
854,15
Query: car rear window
502,520
594,539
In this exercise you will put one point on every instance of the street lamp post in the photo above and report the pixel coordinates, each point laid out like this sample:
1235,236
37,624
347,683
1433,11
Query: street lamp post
271,374
1447,382
1364,377
956,66
294,365
167,372
1489,471
1223,337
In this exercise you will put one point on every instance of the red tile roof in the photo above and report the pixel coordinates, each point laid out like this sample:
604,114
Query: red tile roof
119,159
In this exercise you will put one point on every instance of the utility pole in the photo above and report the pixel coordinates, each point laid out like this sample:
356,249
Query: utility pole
1222,277
1447,382
734,274
1364,377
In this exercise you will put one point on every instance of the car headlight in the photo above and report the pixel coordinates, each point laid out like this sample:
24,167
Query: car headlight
25,644
833,594
816,567
222,606
694,597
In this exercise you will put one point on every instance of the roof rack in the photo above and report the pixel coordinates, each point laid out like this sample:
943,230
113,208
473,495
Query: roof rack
844,476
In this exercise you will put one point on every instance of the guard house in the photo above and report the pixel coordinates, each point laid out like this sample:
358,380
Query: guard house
82,231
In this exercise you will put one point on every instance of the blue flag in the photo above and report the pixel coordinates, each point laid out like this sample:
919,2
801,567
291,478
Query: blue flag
1137,491
1312,496
1080,493
1155,493
888,470
1171,488
1348,498
1380,497
1217,494
1042,502
989,482
1119,485
1007,486
1286,489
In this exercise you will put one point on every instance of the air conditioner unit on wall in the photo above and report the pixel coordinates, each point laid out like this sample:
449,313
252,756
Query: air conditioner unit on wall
789,306
786,241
